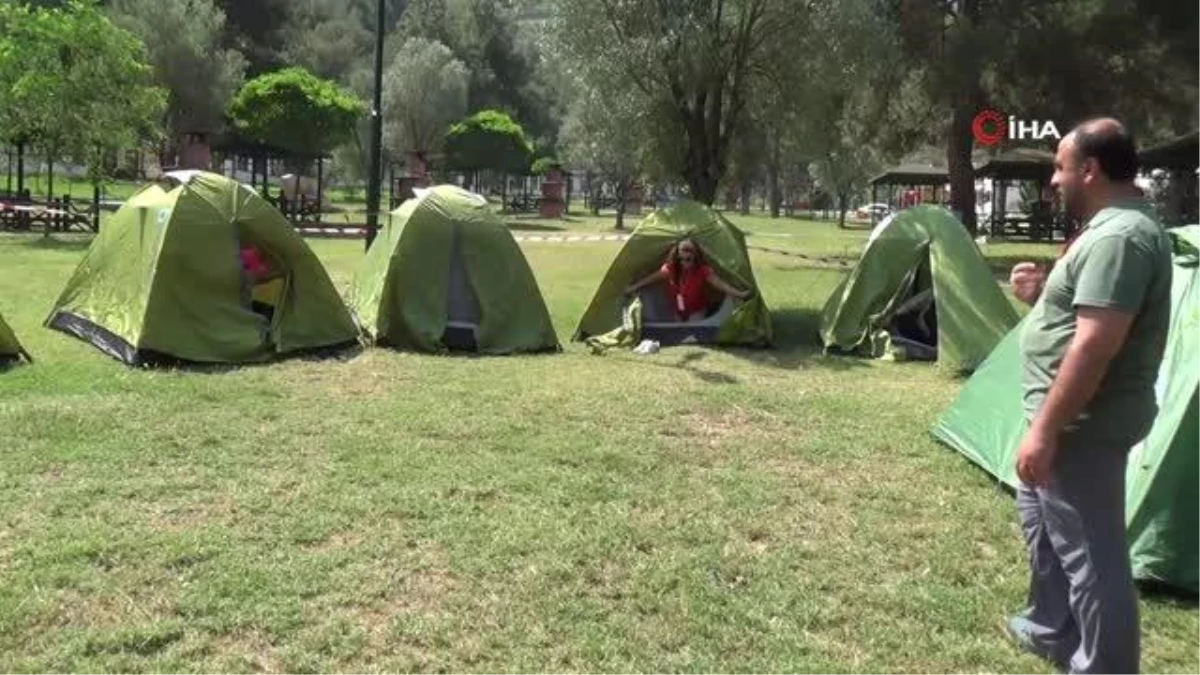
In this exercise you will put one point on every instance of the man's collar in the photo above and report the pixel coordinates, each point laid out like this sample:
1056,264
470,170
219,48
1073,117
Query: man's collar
1130,203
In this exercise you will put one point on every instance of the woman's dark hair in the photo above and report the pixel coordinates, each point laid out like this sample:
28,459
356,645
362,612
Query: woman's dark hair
673,258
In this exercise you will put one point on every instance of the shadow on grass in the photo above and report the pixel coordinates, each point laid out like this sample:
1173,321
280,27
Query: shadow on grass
687,363
57,243
1164,595
343,354
798,344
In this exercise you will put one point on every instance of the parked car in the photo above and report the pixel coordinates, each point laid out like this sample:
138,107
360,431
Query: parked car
872,211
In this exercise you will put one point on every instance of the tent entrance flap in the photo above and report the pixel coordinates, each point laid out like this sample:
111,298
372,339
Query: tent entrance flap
462,305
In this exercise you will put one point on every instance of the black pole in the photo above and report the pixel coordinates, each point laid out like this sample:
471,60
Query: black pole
320,184
20,167
374,178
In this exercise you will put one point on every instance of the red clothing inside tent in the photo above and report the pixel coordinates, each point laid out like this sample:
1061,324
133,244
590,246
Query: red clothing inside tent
253,262
689,295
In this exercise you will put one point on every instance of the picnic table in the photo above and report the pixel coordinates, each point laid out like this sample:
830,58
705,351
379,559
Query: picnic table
20,213
523,203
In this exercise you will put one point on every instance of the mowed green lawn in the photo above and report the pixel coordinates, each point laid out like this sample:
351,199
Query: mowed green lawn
694,510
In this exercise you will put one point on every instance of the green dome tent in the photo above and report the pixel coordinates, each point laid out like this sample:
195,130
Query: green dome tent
921,289
11,350
163,281
986,423
611,319
445,273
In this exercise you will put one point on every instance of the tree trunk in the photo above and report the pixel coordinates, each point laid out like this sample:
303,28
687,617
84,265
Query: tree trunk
744,199
773,194
702,185
194,153
704,168
958,162
966,104
593,188
622,194
843,205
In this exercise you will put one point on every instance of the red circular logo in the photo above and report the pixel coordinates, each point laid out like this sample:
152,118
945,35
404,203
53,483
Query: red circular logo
989,127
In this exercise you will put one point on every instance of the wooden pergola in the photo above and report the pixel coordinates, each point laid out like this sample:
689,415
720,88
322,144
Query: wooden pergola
1179,157
1022,165
260,155
908,176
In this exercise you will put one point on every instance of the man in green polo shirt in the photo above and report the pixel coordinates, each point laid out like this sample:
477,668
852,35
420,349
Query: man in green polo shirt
1090,354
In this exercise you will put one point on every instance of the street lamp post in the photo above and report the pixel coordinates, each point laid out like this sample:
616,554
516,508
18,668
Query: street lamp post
373,180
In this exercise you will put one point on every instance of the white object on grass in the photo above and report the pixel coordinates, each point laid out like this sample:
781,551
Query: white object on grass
647,347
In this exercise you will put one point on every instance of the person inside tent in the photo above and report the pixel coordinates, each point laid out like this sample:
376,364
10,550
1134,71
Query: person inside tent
687,277
261,284
914,326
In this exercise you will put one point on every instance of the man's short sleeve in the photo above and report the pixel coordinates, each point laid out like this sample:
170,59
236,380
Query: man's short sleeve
1114,274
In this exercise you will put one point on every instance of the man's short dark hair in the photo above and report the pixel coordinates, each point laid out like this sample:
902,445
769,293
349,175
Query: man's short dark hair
1112,146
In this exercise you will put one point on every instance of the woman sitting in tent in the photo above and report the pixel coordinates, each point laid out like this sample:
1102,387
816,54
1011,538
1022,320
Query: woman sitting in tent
263,285
687,276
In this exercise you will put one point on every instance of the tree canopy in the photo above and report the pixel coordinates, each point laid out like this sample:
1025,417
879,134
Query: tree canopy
489,139
424,92
184,42
74,83
693,59
297,112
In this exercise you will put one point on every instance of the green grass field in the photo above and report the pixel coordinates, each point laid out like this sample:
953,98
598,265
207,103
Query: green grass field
694,510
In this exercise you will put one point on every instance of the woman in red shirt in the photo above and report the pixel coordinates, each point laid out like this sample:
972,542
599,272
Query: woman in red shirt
687,276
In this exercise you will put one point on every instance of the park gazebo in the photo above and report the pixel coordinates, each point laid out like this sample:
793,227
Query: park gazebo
1012,168
299,207
908,176
1179,158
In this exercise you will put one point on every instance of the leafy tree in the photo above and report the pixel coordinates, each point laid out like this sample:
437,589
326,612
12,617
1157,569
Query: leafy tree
501,58
294,111
424,92
544,165
330,38
972,54
255,29
183,39
852,97
489,139
693,58
607,136
74,84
